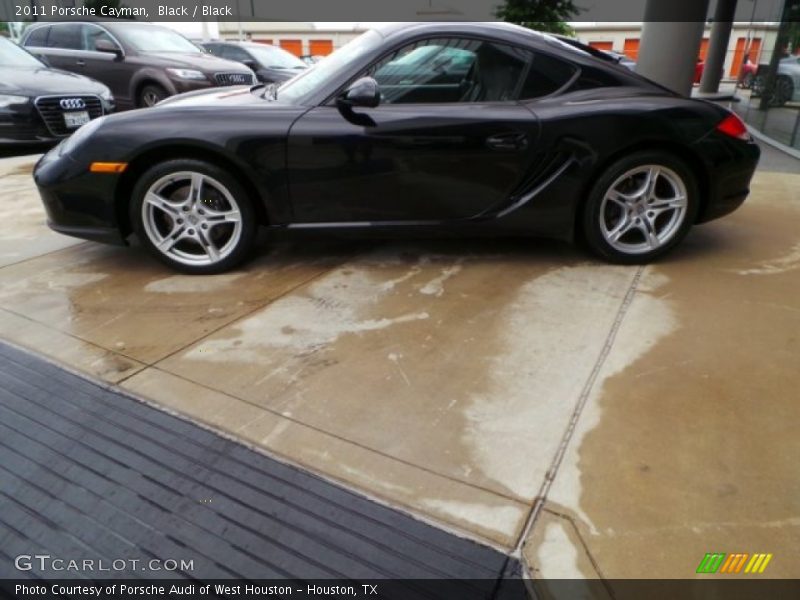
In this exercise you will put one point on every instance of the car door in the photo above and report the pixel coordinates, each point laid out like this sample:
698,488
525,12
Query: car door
109,68
63,46
448,141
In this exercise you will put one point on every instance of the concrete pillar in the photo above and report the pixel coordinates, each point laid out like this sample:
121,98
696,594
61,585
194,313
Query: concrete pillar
718,45
670,43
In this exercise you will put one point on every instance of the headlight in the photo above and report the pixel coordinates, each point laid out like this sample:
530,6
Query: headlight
186,74
7,100
80,136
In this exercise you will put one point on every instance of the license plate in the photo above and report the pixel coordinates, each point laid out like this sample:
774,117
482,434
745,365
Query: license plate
73,120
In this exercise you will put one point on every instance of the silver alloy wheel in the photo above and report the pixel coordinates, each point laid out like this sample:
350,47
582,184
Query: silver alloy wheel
192,218
643,209
150,98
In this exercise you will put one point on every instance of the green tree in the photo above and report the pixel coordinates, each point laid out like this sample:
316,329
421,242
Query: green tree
542,15
4,31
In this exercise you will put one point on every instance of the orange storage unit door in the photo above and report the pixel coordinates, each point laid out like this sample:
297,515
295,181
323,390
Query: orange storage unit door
703,49
293,46
320,47
602,45
631,48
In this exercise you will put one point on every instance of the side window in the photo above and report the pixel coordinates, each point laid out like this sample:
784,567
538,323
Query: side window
38,37
546,76
91,34
234,53
214,49
451,70
65,36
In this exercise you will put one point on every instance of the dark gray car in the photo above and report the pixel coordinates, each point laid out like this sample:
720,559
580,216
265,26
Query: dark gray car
142,63
270,63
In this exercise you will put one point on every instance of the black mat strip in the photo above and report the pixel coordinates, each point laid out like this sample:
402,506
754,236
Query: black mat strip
88,474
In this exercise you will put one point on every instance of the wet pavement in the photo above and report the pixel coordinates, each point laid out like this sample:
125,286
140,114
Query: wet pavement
602,420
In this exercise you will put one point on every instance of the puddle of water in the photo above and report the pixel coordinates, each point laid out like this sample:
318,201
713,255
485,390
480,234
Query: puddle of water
688,441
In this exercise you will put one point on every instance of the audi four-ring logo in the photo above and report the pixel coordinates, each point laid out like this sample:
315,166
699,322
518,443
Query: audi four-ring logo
72,104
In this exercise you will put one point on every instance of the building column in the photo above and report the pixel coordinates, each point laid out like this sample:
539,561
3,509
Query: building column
671,39
718,46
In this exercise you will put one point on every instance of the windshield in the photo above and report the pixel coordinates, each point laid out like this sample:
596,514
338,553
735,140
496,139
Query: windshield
326,71
276,58
12,55
149,38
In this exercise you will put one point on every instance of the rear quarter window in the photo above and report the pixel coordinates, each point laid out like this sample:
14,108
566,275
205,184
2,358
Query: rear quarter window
37,37
592,78
547,75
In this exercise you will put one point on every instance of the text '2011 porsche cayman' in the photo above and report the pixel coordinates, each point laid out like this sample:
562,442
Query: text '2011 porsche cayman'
422,127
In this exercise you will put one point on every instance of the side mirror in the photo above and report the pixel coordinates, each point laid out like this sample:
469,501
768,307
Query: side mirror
102,45
363,92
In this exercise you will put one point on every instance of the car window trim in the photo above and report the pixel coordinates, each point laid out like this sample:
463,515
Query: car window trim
331,99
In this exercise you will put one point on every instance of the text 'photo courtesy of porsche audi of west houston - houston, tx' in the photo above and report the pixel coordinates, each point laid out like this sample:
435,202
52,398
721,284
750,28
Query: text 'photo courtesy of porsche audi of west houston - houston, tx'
423,127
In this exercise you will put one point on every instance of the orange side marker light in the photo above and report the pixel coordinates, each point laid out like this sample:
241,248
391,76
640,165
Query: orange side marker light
108,167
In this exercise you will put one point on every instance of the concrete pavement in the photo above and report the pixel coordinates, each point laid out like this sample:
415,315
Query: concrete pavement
514,391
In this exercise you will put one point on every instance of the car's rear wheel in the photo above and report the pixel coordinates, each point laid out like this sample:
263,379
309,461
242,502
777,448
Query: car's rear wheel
151,94
640,208
193,216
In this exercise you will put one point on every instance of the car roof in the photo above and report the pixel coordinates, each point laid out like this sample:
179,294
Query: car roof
241,44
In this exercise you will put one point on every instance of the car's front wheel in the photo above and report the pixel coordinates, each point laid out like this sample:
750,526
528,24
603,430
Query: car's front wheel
640,208
193,216
150,95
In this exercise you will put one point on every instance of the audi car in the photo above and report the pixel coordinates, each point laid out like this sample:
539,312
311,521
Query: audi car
142,63
417,127
40,104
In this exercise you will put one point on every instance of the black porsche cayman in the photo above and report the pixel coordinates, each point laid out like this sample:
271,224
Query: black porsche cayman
459,126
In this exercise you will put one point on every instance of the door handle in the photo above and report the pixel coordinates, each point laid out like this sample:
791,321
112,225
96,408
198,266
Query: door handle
508,141
80,63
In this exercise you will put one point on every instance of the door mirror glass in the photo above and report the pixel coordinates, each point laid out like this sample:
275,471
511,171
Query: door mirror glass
363,92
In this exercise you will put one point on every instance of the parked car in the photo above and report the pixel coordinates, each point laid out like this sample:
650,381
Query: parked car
142,63
40,104
271,64
787,82
622,59
311,59
538,138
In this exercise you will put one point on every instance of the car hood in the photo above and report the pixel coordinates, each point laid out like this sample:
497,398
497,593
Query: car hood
229,96
43,81
203,62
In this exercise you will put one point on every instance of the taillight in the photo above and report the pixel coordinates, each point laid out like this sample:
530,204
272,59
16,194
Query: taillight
734,127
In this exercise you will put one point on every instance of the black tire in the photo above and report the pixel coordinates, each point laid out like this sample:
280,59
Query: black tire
151,94
592,227
178,223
